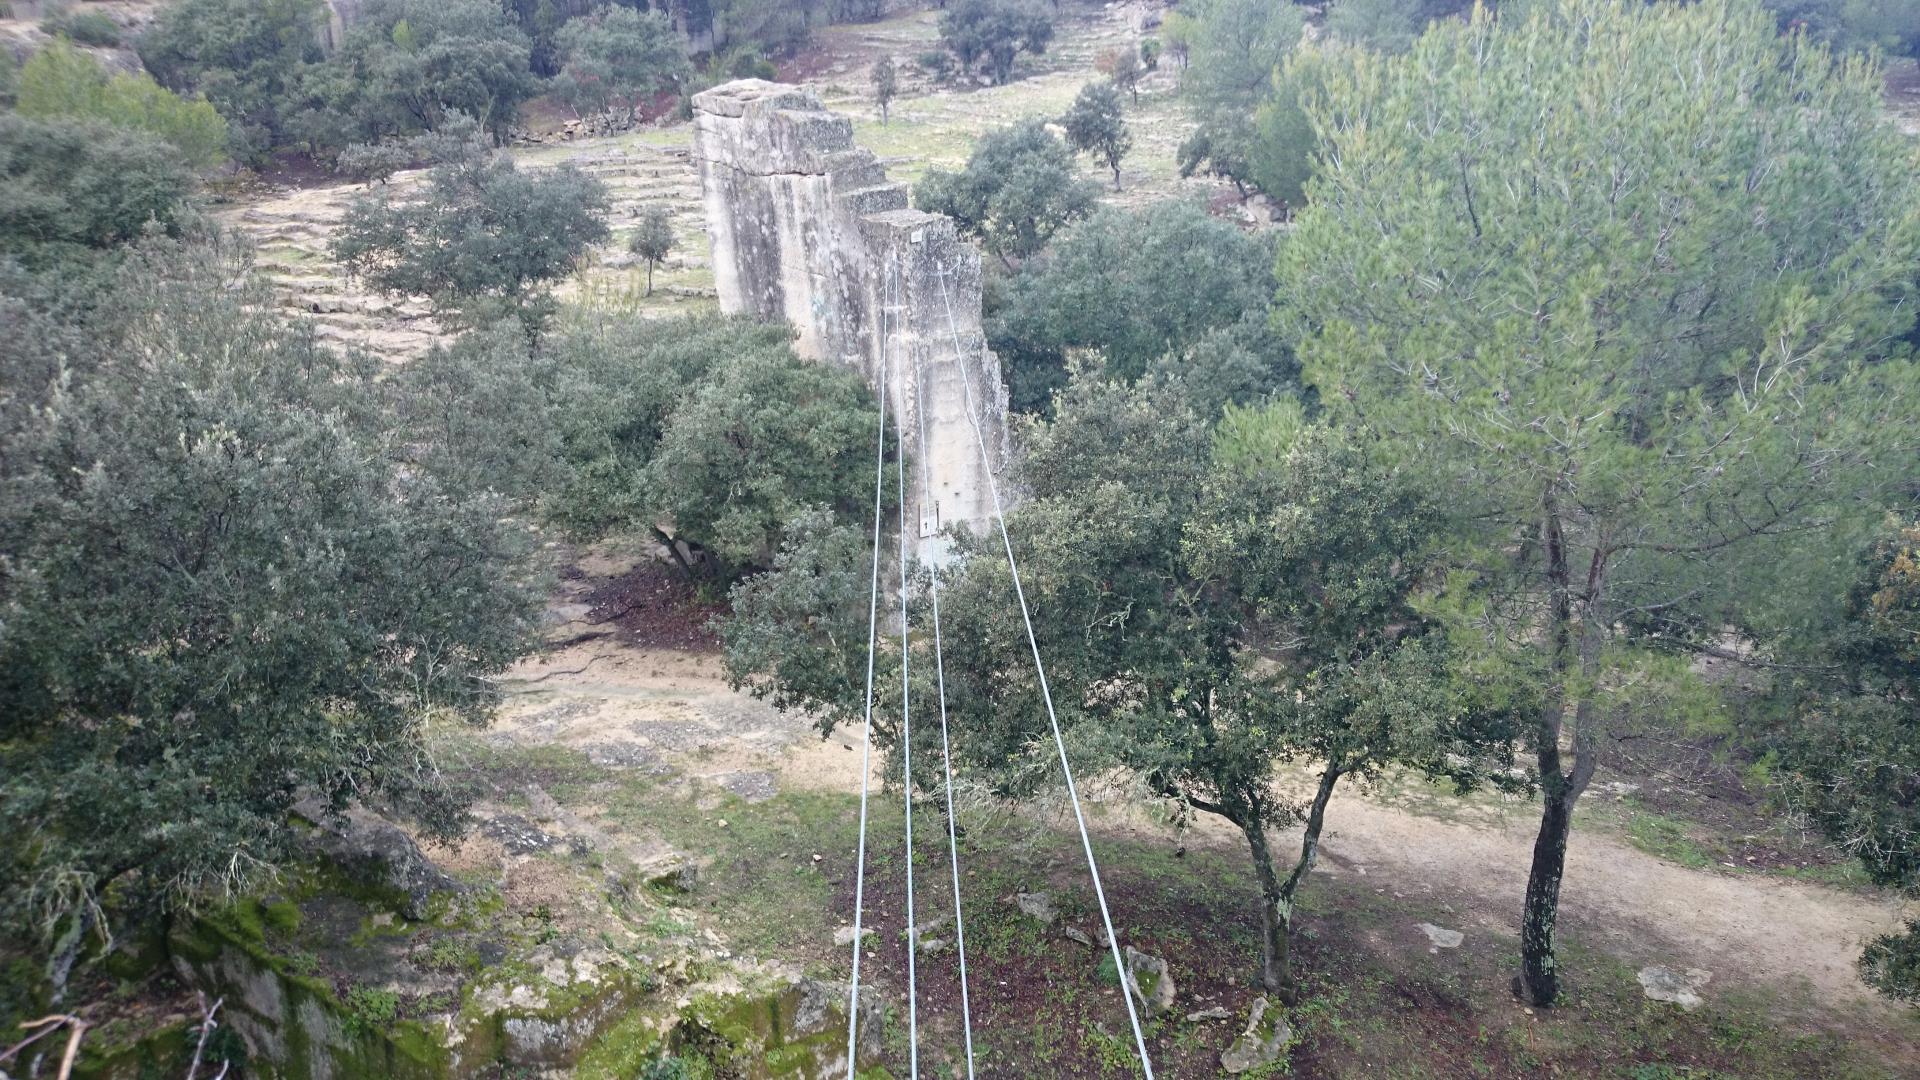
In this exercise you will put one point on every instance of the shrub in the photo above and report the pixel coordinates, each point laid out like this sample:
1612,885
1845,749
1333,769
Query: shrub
61,81
84,28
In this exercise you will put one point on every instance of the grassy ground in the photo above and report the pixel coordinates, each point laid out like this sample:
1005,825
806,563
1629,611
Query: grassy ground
1378,1001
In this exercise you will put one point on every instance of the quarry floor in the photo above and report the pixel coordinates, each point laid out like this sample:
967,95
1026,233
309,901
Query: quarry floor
631,727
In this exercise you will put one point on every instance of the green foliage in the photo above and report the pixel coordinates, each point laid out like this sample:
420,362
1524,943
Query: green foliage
1891,964
1849,756
886,84
618,58
626,379
66,184
1234,47
1384,25
62,81
1283,149
1018,188
996,31
83,28
414,65
764,435
1649,429
1892,26
246,56
370,1011
1095,124
1163,589
482,239
221,593
652,239
820,579
1104,286
757,25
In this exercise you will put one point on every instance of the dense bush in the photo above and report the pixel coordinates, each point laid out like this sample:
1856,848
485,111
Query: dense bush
482,239
83,28
246,56
995,31
1103,286
61,81
222,594
1019,187
69,183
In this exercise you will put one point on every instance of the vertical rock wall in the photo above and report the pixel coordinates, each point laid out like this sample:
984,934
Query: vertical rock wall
806,227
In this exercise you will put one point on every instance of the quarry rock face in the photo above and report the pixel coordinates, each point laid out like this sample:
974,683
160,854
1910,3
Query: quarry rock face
806,227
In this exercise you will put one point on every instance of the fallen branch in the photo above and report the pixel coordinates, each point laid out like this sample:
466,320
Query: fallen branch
207,1024
76,1030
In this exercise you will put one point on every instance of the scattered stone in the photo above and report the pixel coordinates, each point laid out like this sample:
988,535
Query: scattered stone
1218,1012
1681,988
626,755
1261,1044
1076,934
1441,937
673,873
753,787
933,945
1148,978
1036,905
844,935
520,836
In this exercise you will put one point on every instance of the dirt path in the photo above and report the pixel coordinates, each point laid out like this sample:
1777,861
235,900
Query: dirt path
672,710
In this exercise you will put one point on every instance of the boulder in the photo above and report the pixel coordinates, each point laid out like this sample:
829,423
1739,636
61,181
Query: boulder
1037,906
1439,937
1262,1043
1679,987
380,852
1150,982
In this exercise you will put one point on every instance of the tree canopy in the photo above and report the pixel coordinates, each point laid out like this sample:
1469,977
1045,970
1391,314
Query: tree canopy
482,239
1019,187
996,31
1671,394
617,58
1162,585
1096,124
62,81
220,595
1103,286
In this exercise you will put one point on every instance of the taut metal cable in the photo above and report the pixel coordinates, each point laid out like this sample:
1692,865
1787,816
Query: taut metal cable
946,744
1046,693
866,739
906,712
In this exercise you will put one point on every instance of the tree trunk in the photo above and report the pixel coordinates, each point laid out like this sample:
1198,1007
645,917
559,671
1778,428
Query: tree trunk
649,277
673,549
1276,920
1539,982
1116,176
1277,895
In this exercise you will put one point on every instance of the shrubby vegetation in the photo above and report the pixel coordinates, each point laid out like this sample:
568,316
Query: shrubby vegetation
482,240
220,595
61,81
74,189
1102,287
995,31
1018,189
1651,431
617,58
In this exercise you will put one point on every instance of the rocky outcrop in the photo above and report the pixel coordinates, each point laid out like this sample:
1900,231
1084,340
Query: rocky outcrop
806,227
